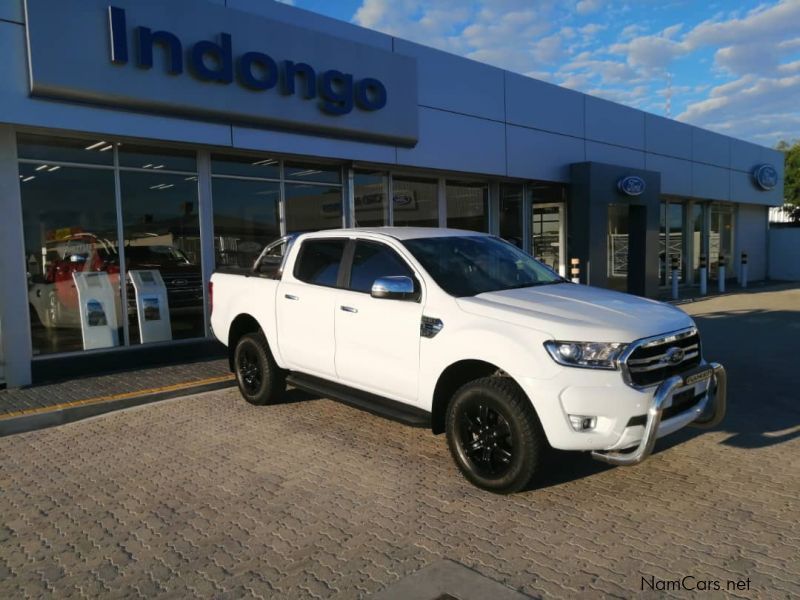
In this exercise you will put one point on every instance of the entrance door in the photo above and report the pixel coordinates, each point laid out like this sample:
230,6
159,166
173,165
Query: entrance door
626,248
548,232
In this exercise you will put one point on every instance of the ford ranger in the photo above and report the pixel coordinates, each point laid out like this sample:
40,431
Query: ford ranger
465,334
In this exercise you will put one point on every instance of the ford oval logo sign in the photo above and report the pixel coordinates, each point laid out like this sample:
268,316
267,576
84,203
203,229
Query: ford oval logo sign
632,185
766,177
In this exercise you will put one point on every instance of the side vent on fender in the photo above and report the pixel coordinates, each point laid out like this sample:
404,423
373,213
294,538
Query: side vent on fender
430,326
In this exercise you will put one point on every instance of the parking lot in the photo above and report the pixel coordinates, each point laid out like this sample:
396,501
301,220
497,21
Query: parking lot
208,496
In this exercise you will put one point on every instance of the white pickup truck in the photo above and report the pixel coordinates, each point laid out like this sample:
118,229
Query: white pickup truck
465,334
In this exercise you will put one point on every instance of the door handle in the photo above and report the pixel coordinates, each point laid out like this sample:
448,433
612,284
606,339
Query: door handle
349,309
291,297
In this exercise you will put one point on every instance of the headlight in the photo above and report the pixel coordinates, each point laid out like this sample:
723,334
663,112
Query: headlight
589,355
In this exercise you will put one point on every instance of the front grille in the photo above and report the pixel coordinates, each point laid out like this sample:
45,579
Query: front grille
649,363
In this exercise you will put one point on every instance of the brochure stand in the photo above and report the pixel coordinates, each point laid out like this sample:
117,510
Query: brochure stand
152,307
97,303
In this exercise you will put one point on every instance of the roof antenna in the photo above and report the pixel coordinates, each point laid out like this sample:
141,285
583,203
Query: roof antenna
668,104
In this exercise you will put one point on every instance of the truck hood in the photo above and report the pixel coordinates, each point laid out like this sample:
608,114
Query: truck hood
578,312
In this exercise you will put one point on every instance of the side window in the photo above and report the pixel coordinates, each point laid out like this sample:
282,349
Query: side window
371,261
319,261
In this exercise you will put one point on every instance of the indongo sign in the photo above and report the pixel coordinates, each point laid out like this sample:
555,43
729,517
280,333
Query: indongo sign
194,58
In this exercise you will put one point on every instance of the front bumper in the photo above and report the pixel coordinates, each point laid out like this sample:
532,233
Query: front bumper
712,413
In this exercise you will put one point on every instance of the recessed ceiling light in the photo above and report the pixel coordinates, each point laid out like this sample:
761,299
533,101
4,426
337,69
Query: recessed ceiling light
97,145
27,179
51,169
159,167
42,168
109,147
147,166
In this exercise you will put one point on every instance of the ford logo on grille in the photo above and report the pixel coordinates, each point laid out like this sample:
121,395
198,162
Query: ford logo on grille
674,356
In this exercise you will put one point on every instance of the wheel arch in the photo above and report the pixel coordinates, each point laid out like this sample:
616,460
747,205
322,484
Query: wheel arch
453,377
241,325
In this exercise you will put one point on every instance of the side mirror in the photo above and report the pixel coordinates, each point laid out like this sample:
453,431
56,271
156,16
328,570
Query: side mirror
397,287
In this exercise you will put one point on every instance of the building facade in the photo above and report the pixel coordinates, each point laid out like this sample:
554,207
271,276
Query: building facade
144,144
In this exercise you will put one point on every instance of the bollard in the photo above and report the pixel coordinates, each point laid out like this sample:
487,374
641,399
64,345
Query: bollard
575,270
721,275
743,270
703,275
675,267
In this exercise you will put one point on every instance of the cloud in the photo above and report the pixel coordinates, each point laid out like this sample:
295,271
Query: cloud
585,7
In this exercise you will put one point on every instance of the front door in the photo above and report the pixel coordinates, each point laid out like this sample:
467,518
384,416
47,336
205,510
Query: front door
377,340
305,308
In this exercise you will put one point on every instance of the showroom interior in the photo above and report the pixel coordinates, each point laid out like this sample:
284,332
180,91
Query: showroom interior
98,176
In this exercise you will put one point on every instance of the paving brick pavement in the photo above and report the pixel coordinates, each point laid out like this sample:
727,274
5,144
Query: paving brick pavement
55,393
208,496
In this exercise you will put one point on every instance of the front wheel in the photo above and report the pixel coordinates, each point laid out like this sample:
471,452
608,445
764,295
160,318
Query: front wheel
494,435
260,379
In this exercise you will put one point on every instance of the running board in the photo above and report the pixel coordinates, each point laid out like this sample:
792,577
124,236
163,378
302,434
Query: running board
372,403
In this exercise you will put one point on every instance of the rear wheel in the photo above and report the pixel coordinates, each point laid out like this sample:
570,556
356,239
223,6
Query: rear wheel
494,435
260,379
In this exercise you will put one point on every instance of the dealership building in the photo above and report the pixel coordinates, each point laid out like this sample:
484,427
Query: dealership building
145,144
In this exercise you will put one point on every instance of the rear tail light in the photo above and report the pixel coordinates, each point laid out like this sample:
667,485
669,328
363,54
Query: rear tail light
210,297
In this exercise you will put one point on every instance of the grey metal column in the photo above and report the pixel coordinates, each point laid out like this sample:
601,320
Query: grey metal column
206,214
349,212
442,201
17,347
494,208
527,220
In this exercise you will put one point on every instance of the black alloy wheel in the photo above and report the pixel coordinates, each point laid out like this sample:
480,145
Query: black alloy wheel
260,379
494,435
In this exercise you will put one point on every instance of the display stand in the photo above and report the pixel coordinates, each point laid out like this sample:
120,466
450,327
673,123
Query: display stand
97,303
152,307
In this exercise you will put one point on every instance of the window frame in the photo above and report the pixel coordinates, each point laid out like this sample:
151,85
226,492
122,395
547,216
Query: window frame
348,271
342,261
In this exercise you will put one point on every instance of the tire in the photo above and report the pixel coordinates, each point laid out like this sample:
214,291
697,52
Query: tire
260,379
494,435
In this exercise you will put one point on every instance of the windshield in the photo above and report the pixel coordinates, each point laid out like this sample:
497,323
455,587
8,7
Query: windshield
471,265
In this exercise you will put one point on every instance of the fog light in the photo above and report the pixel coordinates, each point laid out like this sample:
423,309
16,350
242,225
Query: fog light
582,422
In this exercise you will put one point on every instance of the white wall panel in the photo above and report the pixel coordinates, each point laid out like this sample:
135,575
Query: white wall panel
12,10
534,154
615,155
20,109
710,182
457,142
711,148
545,106
676,173
614,124
295,143
457,84
751,237
744,190
667,137
784,254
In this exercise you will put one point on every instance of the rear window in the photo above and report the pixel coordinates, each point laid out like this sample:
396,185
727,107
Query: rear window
319,261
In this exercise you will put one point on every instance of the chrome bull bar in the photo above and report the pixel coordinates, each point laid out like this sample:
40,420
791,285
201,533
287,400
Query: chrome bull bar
712,415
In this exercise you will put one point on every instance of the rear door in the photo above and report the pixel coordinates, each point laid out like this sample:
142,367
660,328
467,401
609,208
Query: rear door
305,307
377,340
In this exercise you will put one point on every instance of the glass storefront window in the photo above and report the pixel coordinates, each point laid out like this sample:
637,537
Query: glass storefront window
312,207
70,227
46,148
618,246
662,245
246,219
246,166
415,202
467,205
547,229
677,245
721,240
156,158
162,233
696,221
370,199
317,173
511,213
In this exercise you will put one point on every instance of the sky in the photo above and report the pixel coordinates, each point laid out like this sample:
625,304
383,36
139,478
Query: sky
732,66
